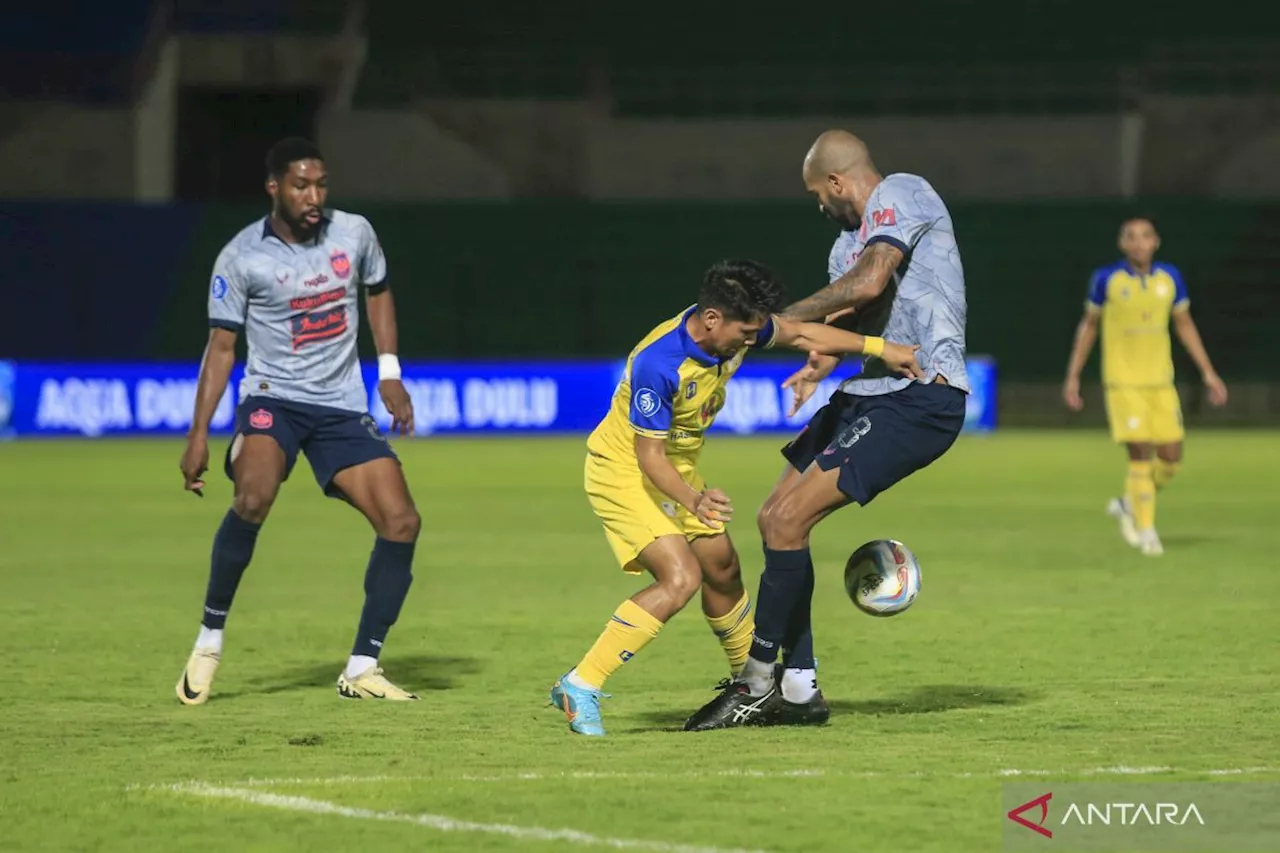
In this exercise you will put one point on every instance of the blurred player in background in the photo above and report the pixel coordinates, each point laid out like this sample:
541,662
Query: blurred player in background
641,471
896,266
291,283
1133,299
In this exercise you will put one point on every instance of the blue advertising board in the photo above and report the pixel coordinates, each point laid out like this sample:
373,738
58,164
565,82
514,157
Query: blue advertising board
92,400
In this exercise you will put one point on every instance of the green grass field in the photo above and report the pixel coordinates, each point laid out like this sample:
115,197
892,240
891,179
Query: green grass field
1040,644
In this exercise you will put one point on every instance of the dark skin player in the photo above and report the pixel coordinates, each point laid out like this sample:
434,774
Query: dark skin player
377,488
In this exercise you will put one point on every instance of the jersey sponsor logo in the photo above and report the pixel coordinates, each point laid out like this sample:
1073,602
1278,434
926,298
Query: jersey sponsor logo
340,263
261,419
713,405
317,281
647,401
884,217
317,300
318,326
219,287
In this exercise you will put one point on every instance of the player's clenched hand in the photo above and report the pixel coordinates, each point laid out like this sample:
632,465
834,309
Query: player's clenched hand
901,359
1071,394
714,508
195,461
396,398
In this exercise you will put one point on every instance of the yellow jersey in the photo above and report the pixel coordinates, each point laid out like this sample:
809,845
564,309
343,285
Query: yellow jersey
1136,308
671,389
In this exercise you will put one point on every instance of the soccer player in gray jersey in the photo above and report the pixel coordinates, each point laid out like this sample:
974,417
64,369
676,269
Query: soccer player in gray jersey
896,269
291,284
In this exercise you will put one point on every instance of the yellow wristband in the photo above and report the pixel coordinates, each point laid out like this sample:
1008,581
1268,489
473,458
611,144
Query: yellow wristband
872,346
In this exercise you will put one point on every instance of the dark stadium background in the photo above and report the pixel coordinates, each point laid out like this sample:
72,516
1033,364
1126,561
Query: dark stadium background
112,206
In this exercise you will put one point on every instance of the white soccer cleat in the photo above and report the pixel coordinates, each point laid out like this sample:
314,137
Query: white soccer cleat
1149,543
1120,511
197,678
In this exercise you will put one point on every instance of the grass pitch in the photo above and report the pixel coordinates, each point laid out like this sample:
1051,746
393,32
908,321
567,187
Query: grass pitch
1040,644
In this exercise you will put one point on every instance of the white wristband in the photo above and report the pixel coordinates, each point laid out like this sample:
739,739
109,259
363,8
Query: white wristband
388,366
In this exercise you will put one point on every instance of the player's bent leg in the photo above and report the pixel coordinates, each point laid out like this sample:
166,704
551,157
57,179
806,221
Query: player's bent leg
258,466
637,621
725,602
754,698
378,489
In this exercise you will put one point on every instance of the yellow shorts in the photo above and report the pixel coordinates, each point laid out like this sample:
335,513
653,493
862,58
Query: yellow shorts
1142,415
634,513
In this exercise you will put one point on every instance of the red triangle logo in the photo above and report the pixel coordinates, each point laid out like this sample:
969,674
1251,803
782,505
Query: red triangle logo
1043,802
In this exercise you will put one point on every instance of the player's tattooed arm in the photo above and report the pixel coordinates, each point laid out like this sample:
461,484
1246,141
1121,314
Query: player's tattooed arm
860,285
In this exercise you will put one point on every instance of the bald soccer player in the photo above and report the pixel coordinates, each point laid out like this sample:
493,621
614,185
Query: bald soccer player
896,267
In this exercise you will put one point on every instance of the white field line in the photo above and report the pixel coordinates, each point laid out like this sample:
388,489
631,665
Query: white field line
1119,770
440,823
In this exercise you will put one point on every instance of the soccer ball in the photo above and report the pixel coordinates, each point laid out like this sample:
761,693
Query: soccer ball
882,577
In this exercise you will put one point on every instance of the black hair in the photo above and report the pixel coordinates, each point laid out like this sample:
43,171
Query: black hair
1139,217
741,290
286,152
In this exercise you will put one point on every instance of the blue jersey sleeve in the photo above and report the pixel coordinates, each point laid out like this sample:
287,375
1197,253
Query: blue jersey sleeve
653,390
1098,288
1180,296
228,294
894,215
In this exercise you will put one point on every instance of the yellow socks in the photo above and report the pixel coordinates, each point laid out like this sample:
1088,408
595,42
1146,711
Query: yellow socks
734,630
629,631
1140,491
1163,472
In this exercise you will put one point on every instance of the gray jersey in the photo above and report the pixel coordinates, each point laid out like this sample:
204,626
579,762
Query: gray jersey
298,307
924,303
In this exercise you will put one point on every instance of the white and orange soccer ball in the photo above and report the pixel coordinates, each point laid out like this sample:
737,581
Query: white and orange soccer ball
882,577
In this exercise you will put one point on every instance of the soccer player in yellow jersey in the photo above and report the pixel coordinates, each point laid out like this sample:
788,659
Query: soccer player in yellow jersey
641,470
1133,299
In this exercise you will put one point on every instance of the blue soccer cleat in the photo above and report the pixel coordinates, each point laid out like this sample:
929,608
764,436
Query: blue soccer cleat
581,705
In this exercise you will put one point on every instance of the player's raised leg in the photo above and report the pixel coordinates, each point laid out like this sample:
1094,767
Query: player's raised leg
258,465
725,602
677,577
378,489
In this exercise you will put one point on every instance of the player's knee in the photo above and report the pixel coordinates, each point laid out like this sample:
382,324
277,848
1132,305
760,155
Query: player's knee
253,503
403,525
783,519
725,577
683,585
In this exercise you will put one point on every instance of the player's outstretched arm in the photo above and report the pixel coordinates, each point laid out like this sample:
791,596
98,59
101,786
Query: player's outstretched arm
381,308
860,285
828,340
1189,335
1086,335
215,370
712,507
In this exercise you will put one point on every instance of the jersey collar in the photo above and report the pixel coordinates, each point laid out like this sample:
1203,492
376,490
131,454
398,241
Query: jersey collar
691,349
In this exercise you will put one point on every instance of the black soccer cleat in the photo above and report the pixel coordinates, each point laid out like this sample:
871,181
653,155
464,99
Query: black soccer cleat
815,712
735,706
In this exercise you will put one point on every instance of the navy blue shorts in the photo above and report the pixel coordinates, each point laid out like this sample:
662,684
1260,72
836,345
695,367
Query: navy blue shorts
877,441
332,439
